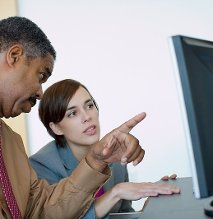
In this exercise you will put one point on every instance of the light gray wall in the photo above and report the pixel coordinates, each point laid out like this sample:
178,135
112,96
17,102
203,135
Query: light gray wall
119,49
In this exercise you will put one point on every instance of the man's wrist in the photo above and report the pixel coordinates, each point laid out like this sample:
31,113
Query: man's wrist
98,165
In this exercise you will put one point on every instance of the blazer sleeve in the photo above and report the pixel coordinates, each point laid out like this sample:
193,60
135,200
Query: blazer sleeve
44,172
70,198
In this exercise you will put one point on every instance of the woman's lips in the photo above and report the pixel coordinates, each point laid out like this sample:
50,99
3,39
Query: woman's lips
91,130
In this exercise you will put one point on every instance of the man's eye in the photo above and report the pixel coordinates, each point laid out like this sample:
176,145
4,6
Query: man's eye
43,77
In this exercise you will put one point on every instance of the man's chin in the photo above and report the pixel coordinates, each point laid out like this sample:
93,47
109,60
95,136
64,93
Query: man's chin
10,114
18,110
15,114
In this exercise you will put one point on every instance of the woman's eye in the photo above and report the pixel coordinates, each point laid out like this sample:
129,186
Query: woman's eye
71,114
91,105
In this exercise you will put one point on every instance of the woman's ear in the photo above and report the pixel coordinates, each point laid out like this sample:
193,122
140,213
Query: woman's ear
55,128
14,54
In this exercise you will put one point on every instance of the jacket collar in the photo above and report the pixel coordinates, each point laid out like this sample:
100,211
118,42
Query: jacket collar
67,157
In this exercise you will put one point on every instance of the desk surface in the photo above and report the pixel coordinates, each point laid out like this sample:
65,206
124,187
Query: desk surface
177,206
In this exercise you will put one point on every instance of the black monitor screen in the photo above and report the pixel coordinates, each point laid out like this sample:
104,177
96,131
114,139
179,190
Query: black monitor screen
194,61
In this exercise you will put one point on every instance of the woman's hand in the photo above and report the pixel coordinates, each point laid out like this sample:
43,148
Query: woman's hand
131,191
172,177
135,191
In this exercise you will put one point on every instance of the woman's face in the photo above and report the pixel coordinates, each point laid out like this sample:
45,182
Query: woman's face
80,125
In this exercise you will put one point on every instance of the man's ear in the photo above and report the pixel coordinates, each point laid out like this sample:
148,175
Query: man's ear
14,54
55,128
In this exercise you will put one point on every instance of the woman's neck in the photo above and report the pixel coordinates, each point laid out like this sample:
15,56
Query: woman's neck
79,151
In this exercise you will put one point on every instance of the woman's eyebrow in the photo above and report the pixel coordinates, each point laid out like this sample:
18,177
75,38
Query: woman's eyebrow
87,101
73,107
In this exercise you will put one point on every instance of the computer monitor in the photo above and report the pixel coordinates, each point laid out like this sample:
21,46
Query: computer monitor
193,59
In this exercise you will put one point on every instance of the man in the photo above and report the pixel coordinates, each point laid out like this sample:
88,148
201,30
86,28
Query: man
26,62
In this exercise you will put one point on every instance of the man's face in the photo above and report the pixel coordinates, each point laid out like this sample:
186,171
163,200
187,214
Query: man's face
23,85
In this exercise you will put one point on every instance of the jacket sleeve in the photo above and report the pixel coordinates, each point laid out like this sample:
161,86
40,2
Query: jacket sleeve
70,198
44,172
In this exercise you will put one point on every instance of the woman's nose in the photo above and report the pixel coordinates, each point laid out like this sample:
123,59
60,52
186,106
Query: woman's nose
86,117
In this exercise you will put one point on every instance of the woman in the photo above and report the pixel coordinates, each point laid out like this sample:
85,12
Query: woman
70,115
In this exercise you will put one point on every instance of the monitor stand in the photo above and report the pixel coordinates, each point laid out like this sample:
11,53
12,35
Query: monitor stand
209,209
